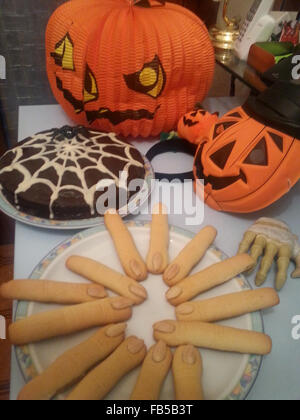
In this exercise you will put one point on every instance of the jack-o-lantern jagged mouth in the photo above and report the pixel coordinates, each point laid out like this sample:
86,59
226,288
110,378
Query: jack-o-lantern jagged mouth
217,183
115,117
224,182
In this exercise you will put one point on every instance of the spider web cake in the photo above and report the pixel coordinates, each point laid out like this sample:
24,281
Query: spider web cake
56,174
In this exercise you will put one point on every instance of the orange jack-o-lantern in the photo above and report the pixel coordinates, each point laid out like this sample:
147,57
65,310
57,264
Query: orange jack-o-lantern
196,124
249,159
128,66
246,165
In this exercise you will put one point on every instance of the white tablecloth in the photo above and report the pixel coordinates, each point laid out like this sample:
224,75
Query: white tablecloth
280,372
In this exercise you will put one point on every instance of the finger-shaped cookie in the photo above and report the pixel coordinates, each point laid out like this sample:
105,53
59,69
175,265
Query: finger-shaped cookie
189,256
208,278
187,373
227,306
130,258
153,373
74,364
158,256
100,381
47,291
107,277
70,319
212,336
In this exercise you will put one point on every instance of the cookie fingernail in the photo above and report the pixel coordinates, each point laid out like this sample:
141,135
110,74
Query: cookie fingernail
157,261
122,303
171,272
164,327
138,291
173,293
159,352
185,309
189,355
136,268
96,292
135,345
116,330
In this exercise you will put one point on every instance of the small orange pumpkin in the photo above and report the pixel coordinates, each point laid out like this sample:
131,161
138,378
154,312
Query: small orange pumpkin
196,125
132,67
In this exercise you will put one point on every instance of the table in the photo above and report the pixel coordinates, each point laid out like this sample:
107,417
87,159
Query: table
241,71
280,372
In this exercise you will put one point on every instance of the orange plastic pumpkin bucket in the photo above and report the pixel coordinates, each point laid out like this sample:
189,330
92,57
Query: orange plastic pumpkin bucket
249,158
248,165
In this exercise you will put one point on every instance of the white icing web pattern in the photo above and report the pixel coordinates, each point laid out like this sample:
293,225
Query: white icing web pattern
57,153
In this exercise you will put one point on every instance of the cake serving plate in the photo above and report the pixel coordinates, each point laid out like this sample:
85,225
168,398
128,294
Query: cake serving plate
135,203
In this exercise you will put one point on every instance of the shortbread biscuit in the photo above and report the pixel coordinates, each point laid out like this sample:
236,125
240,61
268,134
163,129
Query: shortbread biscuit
153,373
190,256
227,306
130,258
209,278
187,373
212,336
74,364
158,256
100,381
107,277
70,319
47,291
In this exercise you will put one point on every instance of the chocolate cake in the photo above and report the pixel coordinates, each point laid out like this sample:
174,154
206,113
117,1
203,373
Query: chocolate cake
56,174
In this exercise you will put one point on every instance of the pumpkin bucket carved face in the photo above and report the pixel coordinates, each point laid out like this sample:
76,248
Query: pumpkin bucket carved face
115,66
246,165
196,124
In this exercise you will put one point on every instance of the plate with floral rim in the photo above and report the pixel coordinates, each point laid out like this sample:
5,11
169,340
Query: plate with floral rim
227,376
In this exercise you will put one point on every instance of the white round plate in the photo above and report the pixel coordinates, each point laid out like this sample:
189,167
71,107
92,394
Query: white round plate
226,375
135,204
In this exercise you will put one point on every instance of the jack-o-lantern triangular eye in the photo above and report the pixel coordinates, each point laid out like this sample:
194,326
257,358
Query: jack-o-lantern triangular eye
235,115
220,157
278,140
188,122
258,155
64,53
90,87
221,127
150,80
